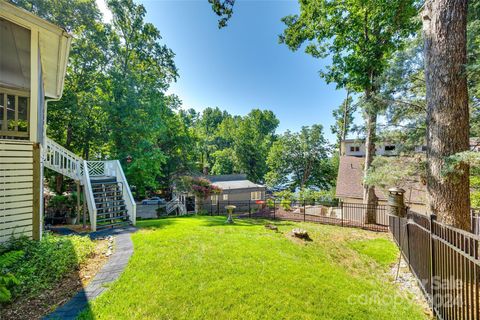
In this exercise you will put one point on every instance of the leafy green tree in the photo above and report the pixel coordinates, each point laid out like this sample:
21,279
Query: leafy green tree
300,160
343,116
207,130
223,9
359,36
225,161
252,140
141,71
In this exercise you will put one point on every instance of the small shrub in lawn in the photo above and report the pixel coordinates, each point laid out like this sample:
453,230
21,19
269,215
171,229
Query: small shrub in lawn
286,204
270,203
38,265
203,212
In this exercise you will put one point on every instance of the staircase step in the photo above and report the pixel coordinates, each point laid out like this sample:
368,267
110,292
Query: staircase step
112,225
103,179
112,209
111,212
105,192
113,218
105,188
110,182
121,200
116,207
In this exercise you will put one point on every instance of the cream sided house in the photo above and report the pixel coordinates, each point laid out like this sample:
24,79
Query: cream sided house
236,190
33,61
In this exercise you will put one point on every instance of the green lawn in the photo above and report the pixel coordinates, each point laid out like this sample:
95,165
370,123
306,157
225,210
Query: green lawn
200,268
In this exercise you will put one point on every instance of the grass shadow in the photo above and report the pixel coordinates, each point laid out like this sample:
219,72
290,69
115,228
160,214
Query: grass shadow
216,221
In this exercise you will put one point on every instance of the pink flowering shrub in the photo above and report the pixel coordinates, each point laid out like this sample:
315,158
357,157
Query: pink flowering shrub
200,187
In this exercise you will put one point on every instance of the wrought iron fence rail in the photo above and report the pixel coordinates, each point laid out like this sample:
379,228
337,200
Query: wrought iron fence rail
445,261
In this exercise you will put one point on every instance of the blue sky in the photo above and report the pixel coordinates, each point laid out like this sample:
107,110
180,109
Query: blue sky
243,66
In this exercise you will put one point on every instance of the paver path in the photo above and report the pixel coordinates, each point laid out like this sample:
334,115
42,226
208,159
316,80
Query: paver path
110,272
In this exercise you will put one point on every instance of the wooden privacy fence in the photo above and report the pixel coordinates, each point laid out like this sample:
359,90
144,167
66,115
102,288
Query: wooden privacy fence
445,261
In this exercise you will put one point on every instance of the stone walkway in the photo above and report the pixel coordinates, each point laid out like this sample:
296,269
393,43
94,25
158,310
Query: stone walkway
109,273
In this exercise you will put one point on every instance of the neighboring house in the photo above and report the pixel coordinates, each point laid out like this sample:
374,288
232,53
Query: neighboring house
356,148
350,186
236,189
33,63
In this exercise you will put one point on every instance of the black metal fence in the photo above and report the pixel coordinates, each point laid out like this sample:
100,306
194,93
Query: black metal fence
445,261
369,217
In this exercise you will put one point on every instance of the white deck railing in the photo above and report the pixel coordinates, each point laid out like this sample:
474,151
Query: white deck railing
92,207
174,204
113,168
63,161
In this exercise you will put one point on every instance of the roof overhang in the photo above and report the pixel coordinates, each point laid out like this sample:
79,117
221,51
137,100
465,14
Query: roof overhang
54,46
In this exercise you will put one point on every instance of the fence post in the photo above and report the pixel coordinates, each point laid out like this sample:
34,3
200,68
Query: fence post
274,208
304,211
218,207
433,218
211,205
408,235
341,211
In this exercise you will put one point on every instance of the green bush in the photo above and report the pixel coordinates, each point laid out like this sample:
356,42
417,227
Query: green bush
286,198
286,204
7,279
203,212
64,204
270,203
38,265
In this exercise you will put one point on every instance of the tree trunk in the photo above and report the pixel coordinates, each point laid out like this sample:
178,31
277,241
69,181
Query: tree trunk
369,196
343,134
444,24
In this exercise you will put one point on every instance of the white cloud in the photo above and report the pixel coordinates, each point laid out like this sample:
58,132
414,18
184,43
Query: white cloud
107,14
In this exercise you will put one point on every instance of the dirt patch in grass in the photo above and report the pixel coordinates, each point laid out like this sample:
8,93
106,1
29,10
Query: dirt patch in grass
78,228
30,308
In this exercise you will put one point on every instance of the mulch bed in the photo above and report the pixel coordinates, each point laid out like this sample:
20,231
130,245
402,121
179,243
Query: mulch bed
31,308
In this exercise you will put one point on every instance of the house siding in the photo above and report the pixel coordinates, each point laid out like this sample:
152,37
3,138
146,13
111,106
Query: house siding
240,197
17,194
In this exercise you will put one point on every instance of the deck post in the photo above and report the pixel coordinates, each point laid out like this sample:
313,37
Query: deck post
78,201
84,211
37,193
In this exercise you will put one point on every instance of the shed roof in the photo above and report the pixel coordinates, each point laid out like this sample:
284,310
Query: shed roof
233,181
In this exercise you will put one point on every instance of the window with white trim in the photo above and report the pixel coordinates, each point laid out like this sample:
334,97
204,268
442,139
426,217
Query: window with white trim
225,196
214,199
14,113
256,195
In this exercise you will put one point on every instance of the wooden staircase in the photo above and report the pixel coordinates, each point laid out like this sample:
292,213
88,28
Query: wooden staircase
111,208
109,199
